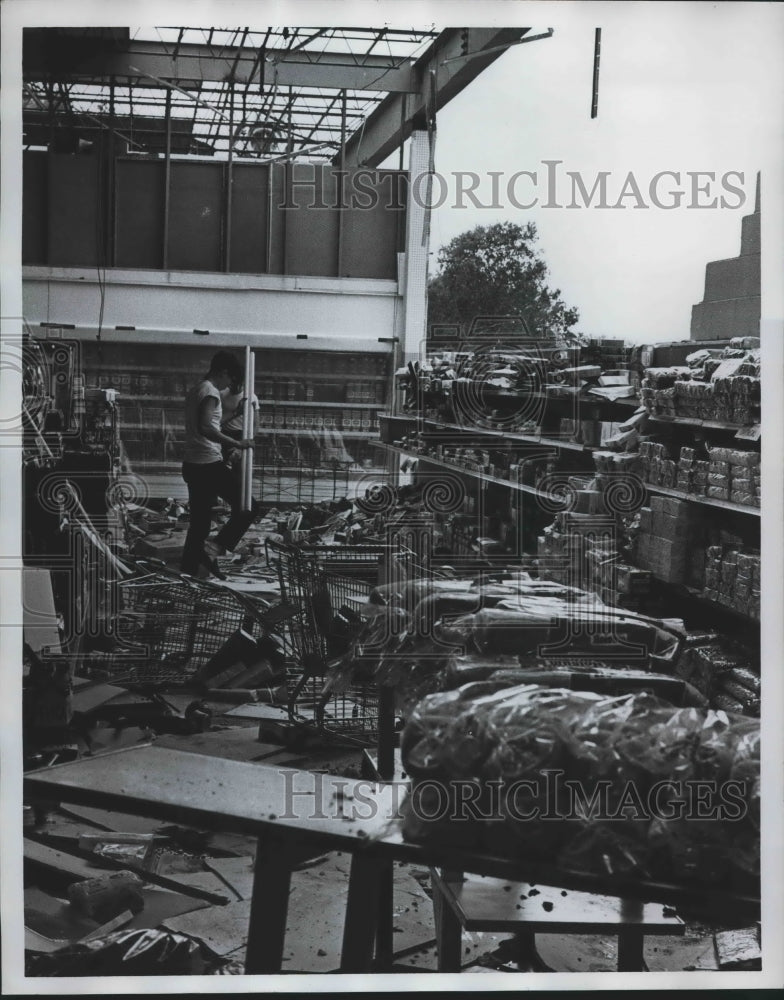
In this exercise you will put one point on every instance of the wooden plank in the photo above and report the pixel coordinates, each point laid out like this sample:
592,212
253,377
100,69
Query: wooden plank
116,822
491,904
60,865
53,917
69,867
115,924
33,941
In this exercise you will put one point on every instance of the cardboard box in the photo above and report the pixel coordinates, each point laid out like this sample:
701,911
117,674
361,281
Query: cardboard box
671,527
671,506
668,559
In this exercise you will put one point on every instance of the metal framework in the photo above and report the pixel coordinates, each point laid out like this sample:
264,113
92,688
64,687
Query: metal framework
348,95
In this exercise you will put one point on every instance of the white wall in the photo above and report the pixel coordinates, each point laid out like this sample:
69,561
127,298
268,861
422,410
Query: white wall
267,310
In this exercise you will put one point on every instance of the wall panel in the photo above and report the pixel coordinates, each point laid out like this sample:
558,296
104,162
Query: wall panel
311,231
374,224
249,216
195,210
74,210
139,213
34,200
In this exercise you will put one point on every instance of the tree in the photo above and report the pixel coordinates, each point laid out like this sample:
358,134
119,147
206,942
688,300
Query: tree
497,271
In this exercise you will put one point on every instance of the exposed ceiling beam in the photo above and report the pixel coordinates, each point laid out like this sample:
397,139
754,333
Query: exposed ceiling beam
48,56
341,71
390,124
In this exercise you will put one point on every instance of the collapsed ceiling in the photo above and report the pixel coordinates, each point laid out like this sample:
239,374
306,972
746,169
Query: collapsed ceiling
346,95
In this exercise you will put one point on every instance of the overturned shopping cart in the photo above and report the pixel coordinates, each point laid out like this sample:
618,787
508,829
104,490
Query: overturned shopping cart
166,627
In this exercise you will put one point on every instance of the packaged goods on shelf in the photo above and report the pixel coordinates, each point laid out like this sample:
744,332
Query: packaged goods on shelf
665,538
722,668
722,388
732,578
513,738
664,378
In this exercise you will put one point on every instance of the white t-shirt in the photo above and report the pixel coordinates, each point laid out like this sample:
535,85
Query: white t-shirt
232,407
199,449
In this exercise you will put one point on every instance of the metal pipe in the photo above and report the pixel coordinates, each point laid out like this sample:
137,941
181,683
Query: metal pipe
227,227
597,51
341,207
167,183
247,430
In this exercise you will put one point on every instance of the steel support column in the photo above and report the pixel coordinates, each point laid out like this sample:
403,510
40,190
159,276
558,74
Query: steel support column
417,251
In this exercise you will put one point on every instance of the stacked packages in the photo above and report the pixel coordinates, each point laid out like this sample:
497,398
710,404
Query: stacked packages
726,474
732,577
715,385
723,672
664,537
735,475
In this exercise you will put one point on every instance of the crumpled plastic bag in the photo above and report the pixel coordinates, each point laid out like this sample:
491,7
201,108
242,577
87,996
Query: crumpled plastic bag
143,952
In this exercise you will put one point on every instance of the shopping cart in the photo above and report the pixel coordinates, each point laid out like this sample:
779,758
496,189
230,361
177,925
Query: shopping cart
167,626
329,586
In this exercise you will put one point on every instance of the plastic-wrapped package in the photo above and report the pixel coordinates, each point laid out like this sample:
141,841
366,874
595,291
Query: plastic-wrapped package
583,629
467,667
144,952
608,785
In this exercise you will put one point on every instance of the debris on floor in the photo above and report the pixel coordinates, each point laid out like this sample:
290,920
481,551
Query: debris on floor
195,885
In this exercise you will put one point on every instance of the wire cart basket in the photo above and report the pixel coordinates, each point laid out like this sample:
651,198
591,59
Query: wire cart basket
328,586
167,626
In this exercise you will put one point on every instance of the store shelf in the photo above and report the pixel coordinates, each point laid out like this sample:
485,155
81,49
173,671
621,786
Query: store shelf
719,606
684,592
484,476
703,500
368,433
300,375
713,425
142,398
495,434
325,406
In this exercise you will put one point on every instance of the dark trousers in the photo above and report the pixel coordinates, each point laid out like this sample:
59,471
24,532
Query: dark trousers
205,484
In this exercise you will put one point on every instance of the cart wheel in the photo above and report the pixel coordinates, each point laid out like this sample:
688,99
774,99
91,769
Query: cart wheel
198,716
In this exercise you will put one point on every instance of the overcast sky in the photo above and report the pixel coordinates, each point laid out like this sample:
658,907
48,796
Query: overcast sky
684,87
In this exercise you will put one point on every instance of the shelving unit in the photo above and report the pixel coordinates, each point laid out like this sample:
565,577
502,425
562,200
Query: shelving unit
316,408
462,470
570,458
